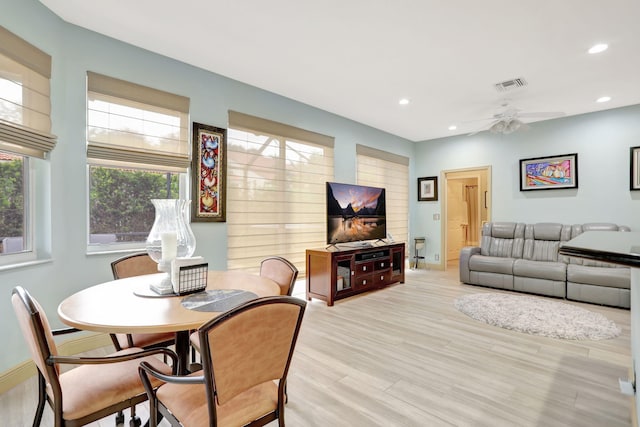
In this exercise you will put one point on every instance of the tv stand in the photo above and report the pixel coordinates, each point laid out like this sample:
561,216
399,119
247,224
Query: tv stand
336,274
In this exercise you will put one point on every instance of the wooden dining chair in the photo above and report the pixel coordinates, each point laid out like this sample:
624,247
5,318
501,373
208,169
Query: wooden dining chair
136,265
281,271
246,353
98,387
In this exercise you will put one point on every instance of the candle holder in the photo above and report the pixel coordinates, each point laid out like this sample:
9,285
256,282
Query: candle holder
170,237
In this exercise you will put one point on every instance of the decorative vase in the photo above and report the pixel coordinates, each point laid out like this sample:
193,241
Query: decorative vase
170,237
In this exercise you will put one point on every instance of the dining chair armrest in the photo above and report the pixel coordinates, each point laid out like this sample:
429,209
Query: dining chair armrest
82,360
146,369
63,331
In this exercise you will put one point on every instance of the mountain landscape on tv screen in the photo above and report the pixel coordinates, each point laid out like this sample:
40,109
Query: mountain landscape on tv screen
355,213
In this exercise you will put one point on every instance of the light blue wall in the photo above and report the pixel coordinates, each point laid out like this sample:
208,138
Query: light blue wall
74,52
602,141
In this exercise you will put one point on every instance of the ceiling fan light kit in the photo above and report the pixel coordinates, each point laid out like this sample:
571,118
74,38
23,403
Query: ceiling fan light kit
506,126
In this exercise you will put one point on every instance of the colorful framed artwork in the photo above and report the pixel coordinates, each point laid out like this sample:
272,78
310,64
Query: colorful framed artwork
634,175
428,189
548,173
208,166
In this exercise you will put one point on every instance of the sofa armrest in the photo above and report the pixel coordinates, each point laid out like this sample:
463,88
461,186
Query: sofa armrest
465,255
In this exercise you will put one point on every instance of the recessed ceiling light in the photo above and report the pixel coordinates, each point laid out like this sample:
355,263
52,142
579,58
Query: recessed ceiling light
604,99
597,48
403,101
453,127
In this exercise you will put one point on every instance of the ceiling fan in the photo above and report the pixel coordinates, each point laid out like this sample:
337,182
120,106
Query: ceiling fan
508,120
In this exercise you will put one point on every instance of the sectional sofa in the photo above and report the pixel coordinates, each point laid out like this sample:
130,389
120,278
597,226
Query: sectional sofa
524,257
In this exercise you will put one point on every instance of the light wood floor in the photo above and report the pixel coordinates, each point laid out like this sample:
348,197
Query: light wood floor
404,356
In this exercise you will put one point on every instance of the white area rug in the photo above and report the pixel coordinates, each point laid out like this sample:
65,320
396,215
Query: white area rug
537,316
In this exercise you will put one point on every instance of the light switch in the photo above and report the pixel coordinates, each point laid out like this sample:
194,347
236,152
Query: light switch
436,217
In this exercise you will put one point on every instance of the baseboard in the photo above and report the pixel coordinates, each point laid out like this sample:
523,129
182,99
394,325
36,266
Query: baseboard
27,369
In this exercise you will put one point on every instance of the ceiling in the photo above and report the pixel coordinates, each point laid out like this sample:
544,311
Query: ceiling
358,58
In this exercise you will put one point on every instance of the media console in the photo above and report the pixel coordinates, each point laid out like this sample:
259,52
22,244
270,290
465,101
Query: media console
333,274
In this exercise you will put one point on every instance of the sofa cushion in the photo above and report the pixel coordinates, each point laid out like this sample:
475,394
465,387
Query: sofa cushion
542,240
545,231
502,239
613,277
491,264
540,269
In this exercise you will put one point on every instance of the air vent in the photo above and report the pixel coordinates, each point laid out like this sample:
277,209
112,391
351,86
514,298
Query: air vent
510,85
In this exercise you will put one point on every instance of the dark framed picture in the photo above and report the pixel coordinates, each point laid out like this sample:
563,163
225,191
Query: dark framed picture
548,173
208,165
634,174
428,189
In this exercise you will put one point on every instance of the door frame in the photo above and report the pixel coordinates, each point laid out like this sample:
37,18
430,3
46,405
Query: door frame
472,172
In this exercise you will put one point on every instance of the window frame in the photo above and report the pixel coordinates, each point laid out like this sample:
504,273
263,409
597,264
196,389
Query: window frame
28,135
121,93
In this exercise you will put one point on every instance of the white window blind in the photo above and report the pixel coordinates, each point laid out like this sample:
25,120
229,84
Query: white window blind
379,168
133,125
25,105
276,177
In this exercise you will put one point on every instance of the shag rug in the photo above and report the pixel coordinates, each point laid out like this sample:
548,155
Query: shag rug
537,316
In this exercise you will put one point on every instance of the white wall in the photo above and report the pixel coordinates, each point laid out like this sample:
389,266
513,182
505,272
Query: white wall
602,141
74,52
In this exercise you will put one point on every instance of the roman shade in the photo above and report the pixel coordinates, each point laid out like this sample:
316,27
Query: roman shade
276,177
133,125
25,105
379,168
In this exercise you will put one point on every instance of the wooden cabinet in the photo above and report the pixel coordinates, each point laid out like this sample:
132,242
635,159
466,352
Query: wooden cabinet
333,274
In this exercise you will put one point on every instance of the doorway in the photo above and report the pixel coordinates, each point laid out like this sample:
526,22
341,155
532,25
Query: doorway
466,207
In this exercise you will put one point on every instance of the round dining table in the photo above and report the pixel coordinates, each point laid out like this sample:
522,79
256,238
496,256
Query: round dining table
130,306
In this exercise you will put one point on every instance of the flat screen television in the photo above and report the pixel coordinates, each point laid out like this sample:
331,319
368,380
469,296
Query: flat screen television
355,213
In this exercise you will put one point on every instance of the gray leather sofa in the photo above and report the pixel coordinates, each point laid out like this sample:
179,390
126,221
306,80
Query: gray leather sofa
524,257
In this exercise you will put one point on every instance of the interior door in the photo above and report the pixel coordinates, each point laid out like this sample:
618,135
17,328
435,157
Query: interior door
457,222
457,231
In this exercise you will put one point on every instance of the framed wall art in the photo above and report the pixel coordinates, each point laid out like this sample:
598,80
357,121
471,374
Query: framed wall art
635,169
428,189
208,165
548,173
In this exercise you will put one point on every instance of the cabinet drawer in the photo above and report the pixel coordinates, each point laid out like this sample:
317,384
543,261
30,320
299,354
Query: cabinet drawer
364,280
381,277
382,264
364,268
375,279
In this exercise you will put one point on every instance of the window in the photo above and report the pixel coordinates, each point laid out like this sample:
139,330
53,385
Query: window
137,150
276,177
382,169
25,138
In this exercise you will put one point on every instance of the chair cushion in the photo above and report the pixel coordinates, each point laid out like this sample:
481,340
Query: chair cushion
195,340
189,404
89,388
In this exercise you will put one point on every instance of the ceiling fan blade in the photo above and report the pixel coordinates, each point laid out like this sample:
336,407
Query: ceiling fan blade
548,114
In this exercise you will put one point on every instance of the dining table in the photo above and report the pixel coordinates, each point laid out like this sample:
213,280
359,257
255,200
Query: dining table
129,305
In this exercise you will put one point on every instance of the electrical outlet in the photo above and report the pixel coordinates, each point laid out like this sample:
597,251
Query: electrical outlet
437,257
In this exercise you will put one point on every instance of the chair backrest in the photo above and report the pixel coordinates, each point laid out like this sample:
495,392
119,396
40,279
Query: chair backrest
249,345
281,271
133,265
37,332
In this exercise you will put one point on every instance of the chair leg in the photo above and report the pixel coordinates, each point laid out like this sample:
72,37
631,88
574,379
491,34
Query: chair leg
119,418
135,420
154,416
42,398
